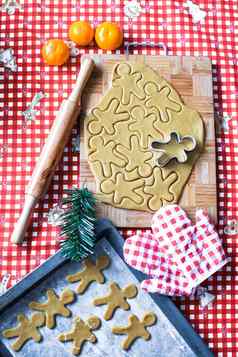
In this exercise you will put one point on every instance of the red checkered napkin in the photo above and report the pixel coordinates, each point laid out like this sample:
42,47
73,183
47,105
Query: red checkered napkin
177,254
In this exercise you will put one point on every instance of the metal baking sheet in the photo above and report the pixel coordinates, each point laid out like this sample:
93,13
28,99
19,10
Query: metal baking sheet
167,339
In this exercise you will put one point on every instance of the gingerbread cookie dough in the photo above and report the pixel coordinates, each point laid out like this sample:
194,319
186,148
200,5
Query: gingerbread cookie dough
139,108
26,329
91,272
81,333
54,306
135,329
117,298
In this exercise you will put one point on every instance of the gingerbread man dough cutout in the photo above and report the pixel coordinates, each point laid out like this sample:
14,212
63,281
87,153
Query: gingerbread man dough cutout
131,83
114,187
117,298
91,273
135,161
80,333
160,100
135,329
148,131
160,190
54,306
107,118
25,330
108,155
120,129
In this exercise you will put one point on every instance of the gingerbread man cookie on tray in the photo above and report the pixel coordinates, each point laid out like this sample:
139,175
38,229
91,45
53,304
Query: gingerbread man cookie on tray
135,329
54,306
27,329
117,298
91,272
80,333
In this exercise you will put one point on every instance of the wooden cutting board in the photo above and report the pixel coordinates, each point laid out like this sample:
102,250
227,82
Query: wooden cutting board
192,78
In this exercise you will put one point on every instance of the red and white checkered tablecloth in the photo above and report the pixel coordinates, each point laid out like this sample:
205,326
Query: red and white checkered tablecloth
20,143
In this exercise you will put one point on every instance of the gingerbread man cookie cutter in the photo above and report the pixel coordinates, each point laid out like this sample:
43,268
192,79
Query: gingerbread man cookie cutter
133,44
174,147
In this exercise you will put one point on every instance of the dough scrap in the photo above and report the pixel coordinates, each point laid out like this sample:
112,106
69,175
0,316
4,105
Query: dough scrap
80,333
139,108
91,272
27,329
135,329
54,305
117,298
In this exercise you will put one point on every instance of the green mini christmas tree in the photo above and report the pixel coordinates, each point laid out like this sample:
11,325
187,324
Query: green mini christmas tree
78,224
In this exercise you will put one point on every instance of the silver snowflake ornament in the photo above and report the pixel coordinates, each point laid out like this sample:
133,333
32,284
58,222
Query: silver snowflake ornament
4,283
10,6
231,228
30,113
55,216
8,60
132,9
194,10
76,144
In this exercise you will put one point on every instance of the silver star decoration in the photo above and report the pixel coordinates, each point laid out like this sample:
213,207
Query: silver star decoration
30,113
74,51
4,283
231,228
194,10
223,122
10,6
205,298
55,216
132,9
3,150
8,60
76,144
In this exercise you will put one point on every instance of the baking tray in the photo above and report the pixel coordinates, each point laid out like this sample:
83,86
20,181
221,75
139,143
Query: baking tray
171,335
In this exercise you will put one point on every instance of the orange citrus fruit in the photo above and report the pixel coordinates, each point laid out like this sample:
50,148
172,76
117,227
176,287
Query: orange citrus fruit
81,32
108,36
55,52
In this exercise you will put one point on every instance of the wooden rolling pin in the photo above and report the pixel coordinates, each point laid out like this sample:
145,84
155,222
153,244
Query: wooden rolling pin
52,150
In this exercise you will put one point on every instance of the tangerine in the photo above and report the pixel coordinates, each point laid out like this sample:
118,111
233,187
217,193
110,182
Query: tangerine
108,36
81,32
55,52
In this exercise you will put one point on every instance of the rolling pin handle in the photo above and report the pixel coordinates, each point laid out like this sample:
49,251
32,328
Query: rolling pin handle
22,224
83,76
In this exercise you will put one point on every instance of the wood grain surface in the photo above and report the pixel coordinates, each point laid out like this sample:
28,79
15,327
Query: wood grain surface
192,78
